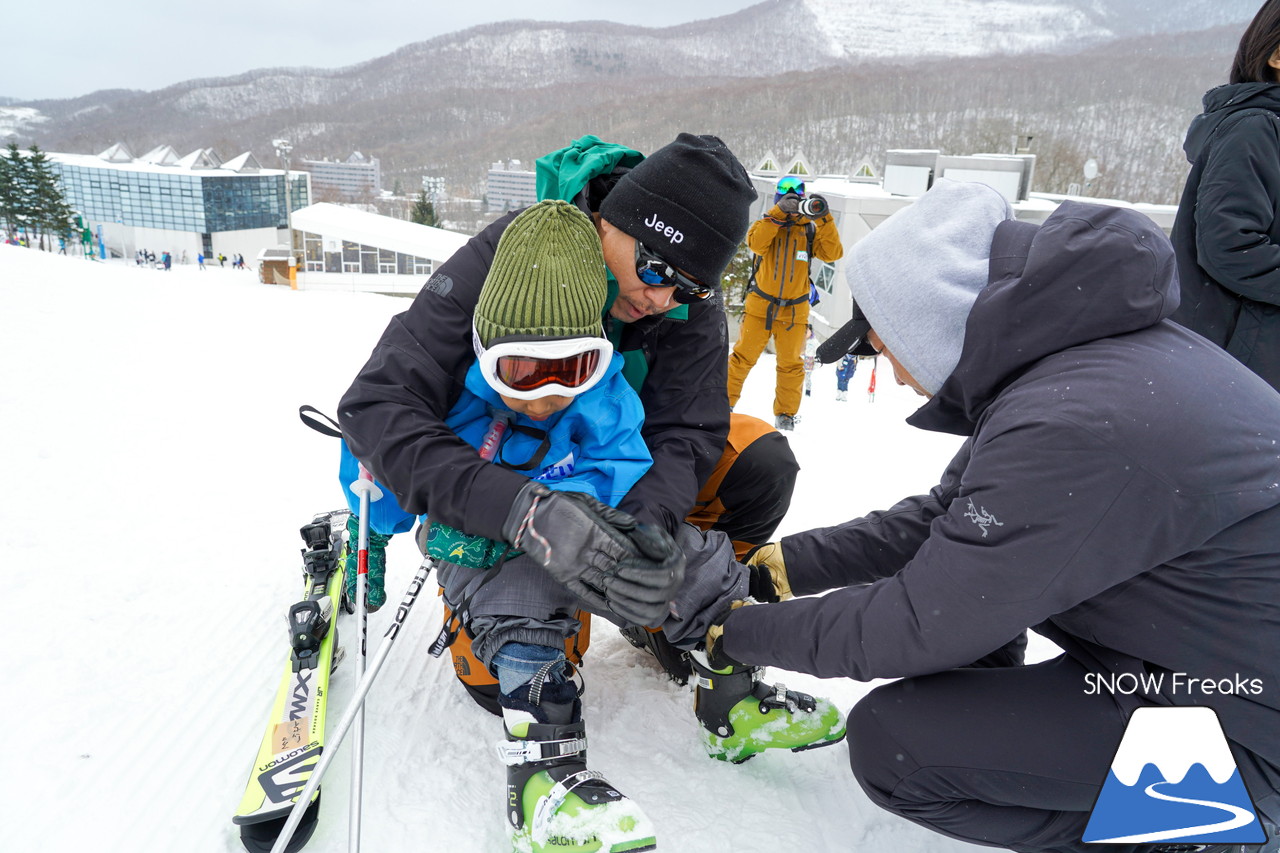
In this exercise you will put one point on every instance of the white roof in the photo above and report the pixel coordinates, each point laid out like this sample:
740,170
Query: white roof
246,162
372,229
203,164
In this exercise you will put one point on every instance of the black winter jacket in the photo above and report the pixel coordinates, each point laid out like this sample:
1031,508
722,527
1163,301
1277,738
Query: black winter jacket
1227,233
393,414
1108,495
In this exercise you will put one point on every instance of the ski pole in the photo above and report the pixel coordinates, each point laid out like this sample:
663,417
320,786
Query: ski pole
368,492
357,701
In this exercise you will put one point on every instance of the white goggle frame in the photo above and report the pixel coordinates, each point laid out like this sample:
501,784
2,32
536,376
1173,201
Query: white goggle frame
541,348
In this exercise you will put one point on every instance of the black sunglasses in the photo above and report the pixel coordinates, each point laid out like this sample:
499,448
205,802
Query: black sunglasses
655,272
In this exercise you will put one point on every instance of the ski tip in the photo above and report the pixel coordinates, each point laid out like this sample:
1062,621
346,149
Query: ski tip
261,837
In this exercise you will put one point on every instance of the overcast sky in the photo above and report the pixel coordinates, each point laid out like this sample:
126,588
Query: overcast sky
81,46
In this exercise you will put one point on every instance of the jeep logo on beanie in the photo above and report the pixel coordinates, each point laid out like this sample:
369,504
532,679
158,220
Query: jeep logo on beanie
664,229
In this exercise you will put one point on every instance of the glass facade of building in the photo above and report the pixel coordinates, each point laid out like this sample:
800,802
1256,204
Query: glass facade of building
183,200
359,258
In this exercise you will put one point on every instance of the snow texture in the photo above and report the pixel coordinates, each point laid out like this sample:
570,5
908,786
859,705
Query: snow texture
158,474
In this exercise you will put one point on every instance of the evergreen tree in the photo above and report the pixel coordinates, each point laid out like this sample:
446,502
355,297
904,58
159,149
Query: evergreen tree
424,212
50,213
12,169
737,277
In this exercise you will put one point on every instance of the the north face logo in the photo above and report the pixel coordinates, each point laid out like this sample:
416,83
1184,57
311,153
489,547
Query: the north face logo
439,284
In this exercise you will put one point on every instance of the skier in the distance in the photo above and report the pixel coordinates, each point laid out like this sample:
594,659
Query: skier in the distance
1107,496
519,616
844,372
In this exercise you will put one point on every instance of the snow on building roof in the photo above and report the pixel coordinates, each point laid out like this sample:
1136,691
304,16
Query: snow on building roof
201,158
372,229
246,162
200,162
274,253
117,153
161,155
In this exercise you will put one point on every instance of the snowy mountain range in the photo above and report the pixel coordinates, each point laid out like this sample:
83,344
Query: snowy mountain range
451,105
770,38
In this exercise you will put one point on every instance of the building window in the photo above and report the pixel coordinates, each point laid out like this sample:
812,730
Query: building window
386,262
422,266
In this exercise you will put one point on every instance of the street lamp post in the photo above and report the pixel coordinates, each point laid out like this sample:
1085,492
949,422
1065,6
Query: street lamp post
283,147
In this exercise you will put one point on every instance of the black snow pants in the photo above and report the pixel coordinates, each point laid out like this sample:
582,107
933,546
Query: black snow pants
1011,757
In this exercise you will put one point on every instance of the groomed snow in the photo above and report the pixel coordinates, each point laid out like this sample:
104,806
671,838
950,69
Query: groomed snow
158,475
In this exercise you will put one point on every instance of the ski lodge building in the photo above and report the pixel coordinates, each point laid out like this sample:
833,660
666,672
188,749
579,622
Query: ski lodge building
197,204
343,248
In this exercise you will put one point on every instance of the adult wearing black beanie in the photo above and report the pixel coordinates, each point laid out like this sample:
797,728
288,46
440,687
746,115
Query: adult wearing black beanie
668,227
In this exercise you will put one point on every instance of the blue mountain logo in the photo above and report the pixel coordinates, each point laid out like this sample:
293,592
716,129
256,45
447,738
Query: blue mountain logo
1173,779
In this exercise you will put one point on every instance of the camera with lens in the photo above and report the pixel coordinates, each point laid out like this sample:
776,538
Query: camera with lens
813,206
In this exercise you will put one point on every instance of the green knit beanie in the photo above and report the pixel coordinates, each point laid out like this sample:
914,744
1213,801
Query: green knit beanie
547,277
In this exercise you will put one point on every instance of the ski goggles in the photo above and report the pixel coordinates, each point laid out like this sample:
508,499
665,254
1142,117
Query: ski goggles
655,272
543,367
790,185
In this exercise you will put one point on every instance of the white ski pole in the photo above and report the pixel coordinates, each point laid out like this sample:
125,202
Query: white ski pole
368,492
357,701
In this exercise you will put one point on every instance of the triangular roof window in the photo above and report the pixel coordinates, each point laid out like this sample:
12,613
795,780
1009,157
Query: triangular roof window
246,162
768,166
799,167
201,158
865,171
118,153
161,155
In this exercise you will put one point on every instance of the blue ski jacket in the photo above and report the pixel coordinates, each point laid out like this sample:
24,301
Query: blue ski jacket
592,446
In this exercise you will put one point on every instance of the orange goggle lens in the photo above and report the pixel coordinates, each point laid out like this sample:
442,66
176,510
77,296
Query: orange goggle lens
527,373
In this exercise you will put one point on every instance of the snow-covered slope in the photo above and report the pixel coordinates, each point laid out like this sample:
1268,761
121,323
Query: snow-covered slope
156,477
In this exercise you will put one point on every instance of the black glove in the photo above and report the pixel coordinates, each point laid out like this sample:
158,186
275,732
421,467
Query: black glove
789,204
601,554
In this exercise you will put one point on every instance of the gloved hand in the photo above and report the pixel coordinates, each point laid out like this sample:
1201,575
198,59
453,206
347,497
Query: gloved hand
789,204
601,554
768,573
713,643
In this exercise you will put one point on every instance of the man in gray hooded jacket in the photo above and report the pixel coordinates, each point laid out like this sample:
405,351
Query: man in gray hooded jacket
1107,496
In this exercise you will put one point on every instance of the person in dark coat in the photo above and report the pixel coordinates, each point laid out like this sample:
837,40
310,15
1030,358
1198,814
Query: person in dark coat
1107,496
667,225
1227,232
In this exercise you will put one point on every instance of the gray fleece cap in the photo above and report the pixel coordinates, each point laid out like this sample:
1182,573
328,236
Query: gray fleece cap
917,275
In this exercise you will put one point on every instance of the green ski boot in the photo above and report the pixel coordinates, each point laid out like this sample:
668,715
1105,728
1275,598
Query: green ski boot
742,716
554,804
375,581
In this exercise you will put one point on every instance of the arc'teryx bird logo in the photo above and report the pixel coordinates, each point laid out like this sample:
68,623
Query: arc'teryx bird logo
982,518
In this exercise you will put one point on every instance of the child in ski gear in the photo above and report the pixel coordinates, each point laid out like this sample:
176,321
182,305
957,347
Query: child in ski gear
1227,232
777,301
844,372
546,393
1106,496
